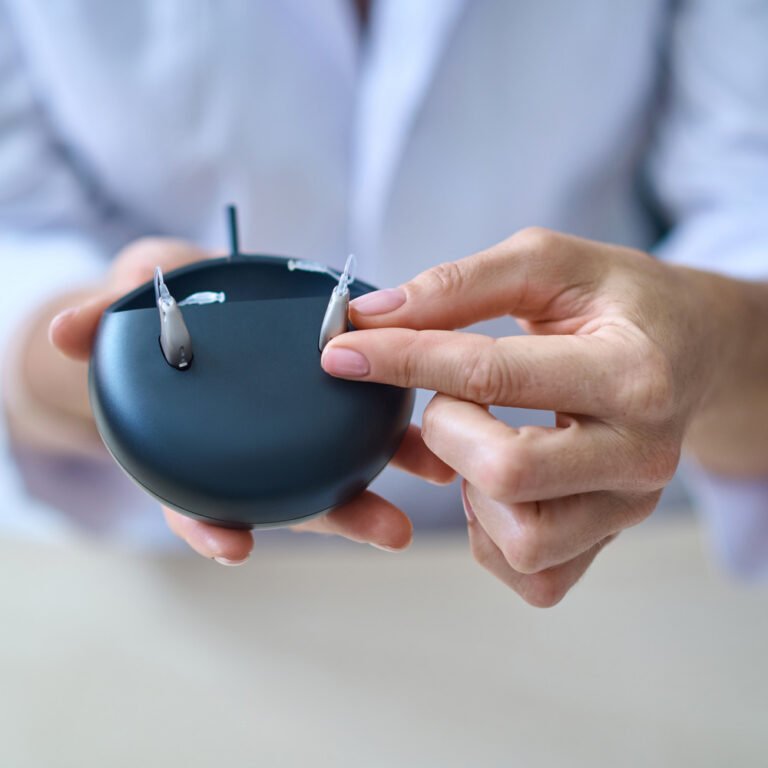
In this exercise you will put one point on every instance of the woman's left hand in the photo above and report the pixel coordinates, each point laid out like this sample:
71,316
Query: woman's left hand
625,350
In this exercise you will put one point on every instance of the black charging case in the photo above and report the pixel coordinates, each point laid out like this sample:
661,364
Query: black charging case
254,432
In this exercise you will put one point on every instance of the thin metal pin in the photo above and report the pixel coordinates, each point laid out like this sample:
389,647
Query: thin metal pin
234,235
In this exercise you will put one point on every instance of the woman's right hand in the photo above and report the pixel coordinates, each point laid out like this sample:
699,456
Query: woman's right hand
62,384
45,393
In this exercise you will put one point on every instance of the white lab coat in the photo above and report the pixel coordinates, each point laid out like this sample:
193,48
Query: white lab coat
454,124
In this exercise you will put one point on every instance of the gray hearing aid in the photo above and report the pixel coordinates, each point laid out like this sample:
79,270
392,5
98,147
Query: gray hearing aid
175,340
335,321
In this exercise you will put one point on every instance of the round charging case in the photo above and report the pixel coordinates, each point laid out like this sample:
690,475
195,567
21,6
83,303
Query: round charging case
254,432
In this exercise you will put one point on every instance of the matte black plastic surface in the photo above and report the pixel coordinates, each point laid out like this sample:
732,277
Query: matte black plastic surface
255,433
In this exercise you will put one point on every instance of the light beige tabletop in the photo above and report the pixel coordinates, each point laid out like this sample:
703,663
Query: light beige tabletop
333,655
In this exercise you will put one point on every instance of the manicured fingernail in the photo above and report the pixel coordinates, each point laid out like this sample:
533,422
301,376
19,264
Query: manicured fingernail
227,561
468,511
383,547
62,317
339,361
379,302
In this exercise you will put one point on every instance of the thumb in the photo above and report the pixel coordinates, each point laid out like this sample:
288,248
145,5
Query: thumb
72,331
534,274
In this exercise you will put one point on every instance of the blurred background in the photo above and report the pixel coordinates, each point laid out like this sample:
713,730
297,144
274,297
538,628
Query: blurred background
410,132
321,653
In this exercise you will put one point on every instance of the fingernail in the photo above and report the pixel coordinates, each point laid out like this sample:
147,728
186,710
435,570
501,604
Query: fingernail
468,511
379,302
383,547
345,362
62,317
227,561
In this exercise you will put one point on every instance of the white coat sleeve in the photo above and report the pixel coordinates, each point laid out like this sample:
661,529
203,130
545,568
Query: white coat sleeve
52,234
709,173
52,238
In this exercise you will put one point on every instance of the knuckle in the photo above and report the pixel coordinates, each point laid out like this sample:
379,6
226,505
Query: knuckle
156,249
429,420
434,420
511,551
445,278
408,361
545,589
502,472
141,248
136,262
535,239
486,379
651,393
527,552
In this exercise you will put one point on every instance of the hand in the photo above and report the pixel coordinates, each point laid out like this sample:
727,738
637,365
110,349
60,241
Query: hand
367,518
626,350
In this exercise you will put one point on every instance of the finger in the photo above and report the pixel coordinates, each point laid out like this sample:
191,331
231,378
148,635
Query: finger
542,590
577,374
227,546
535,536
536,463
532,274
366,519
414,457
73,330
135,264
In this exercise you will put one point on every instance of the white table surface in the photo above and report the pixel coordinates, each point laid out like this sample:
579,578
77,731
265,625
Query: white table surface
332,655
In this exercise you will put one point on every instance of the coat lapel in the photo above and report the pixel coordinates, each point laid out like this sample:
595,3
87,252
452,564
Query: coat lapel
406,40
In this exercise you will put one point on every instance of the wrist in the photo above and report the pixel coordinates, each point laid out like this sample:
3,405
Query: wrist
45,399
728,432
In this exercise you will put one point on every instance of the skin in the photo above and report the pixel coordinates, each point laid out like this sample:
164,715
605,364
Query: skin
637,359
55,385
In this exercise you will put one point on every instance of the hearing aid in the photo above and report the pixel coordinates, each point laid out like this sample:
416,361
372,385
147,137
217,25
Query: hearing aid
175,341
336,318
